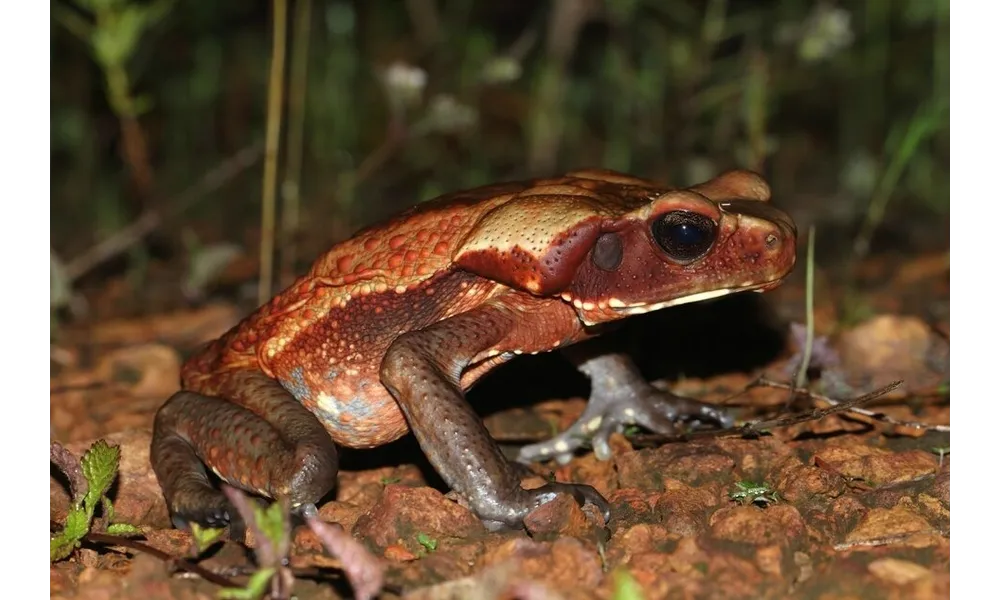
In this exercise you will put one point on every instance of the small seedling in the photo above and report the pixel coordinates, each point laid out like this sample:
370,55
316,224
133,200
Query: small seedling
626,587
941,451
429,543
204,537
255,589
272,536
98,468
390,480
750,492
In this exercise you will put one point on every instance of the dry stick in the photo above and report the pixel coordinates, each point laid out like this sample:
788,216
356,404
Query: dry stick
857,410
125,238
207,575
754,428
180,563
818,413
885,541
275,97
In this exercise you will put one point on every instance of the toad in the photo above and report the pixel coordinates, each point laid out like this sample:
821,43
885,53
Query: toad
389,329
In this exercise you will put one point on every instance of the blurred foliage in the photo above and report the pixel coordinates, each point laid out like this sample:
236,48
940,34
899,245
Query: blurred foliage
844,106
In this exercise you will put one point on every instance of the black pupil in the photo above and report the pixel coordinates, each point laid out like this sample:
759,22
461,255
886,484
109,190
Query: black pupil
684,235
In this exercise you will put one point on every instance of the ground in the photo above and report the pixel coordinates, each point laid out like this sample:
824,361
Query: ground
851,506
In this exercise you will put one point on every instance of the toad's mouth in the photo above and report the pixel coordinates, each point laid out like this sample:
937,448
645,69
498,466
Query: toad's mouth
623,309
639,308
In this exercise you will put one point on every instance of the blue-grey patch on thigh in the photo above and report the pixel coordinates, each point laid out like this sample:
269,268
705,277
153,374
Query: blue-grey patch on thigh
296,385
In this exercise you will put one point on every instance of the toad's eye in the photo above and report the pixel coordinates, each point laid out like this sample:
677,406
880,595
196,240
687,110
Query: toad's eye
684,235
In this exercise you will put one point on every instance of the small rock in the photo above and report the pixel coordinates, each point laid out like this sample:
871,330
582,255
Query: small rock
692,463
878,466
797,482
898,572
683,509
403,513
565,564
889,525
561,517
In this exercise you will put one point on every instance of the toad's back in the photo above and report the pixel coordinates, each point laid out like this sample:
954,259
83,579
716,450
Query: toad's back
400,256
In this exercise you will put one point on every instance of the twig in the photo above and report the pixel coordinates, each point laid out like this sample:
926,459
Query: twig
124,238
180,563
819,413
275,98
885,541
755,428
395,137
854,409
520,47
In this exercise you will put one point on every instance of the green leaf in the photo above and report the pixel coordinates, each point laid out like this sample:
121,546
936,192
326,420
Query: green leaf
204,537
100,466
271,521
61,546
77,523
254,589
626,587
124,529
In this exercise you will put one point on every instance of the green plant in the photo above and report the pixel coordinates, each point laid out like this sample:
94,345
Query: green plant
90,478
626,587
750,492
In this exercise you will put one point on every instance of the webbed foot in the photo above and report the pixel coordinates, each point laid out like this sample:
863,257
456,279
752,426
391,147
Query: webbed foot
620,397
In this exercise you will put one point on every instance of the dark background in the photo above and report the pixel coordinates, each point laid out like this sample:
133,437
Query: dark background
842,105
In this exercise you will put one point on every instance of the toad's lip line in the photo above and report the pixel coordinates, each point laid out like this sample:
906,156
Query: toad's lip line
641,308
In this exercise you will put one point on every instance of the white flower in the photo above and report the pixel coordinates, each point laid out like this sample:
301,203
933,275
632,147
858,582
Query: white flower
501,69
404,84
826,31
447,115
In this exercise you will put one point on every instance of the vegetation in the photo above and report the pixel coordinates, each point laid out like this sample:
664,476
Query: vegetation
843,106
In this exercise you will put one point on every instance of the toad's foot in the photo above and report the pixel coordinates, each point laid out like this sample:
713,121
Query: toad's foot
620,397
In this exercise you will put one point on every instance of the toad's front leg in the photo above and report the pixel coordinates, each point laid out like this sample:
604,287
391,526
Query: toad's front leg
422,370
619,396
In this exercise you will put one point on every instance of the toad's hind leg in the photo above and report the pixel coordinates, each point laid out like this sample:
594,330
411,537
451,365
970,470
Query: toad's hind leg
254,436
619,396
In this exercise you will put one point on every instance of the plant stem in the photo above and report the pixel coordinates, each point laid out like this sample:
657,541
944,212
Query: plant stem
275,97
800,377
